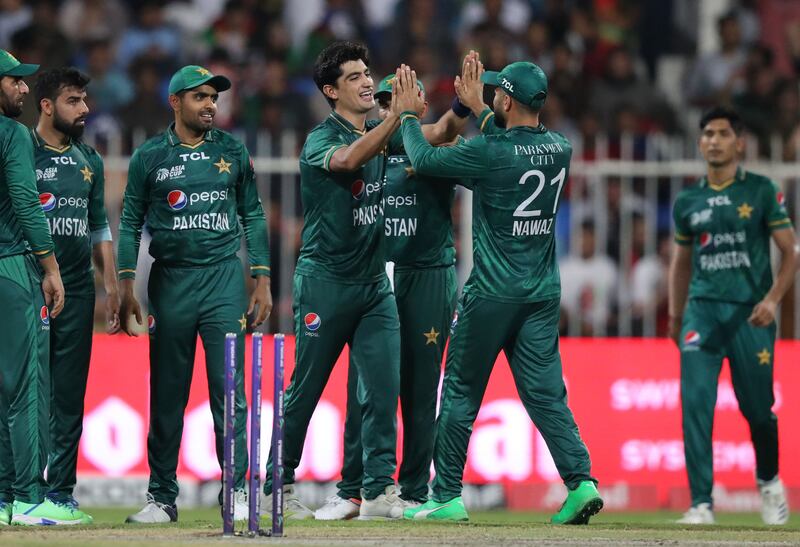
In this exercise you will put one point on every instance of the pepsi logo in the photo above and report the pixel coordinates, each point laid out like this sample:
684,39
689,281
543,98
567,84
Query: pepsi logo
312,321
151,324
44,315
691,338
781,198
357,189
705,240
47,201
177,200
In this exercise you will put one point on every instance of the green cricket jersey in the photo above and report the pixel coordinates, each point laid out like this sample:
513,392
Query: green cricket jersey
70,182
418,225
342,211
729,230
192,198
517,178
22,223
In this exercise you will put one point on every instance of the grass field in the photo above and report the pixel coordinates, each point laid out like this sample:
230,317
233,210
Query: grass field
203,527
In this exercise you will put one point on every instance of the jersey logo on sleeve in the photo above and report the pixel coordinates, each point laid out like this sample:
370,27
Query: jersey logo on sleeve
48,201
781,199
177,200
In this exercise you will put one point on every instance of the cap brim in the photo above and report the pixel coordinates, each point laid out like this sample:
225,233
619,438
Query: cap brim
220,83
490,77
382,92
21,70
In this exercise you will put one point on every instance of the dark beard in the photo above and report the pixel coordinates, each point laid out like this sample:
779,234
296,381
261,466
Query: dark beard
9,108
195,126
71,130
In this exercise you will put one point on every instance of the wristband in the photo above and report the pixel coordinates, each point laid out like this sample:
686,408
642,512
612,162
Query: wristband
459,109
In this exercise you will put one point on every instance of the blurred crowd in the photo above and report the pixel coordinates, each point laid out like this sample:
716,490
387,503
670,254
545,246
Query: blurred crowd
616,67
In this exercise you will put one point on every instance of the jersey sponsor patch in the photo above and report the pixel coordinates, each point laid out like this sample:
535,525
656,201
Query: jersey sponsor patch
177,200
358,189
312,321
44,315
47,174
151,324
705,240
691,340
781,199
48,201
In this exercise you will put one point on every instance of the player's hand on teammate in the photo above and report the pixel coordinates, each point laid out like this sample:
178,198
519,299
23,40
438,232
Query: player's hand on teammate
406,96
469,86
763,313
261,301
129,306
112,312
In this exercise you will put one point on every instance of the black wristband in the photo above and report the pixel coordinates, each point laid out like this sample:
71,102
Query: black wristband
459,109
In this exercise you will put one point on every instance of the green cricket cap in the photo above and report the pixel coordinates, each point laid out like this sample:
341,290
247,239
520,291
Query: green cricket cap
192,76
9,66
385,85
523,81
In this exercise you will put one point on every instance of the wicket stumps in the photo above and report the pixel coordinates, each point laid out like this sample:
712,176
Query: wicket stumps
254,483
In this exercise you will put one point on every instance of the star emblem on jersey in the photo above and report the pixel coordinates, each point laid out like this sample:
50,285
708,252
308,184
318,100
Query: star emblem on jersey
87,174
764,356
203,71
223,166
745,211
243,322
431,337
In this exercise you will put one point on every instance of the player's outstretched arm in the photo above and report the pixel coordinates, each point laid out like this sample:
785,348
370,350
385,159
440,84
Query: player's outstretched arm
680,273
353,156
764,312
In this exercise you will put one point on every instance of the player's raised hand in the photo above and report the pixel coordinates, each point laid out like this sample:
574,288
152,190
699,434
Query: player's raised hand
469,86
261,300
763,313
408,96
129,306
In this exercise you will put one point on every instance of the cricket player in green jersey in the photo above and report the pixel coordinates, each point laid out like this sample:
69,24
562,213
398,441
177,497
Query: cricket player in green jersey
511,299
420,248
28,300
341,292
195,187
722,301
70,180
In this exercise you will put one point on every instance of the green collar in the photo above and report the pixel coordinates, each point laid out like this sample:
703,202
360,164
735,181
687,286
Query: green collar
41,143
739,176
174,140
346,124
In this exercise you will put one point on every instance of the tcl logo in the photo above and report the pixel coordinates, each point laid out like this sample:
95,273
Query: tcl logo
507,85
194,156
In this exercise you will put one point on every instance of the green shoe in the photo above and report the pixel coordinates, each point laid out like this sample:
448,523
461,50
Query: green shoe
47,513
433,510
5,513
581,503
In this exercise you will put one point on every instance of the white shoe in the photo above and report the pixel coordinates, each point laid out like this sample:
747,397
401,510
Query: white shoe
293,509
698,514
154,512
337,508
386,506
241,507
774,508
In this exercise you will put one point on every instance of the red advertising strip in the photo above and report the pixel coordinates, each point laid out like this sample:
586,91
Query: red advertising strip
625,394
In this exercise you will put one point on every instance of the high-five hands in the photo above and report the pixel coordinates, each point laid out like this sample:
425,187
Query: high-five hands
469,86
406,96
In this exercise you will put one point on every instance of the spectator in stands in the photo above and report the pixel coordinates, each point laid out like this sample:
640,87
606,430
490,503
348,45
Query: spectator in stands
110,88
151,37
589,286
537,40
14,15
648,288
83,20
716,76
42,40
233,32
147,119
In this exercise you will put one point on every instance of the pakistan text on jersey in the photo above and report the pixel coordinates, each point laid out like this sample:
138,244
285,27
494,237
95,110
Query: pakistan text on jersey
364,216
216,222
62,226
398,227
724,261
538,227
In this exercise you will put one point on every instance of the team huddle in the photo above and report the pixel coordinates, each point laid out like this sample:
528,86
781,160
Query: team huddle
376,273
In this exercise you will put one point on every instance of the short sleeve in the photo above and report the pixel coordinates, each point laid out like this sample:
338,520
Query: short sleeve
776,216
320,146
683,234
